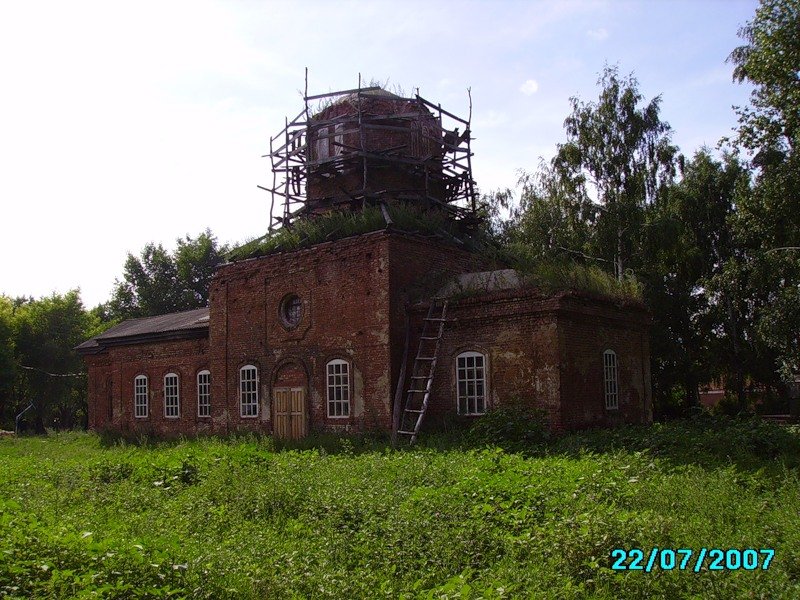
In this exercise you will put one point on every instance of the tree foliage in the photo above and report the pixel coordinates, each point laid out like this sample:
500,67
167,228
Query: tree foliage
688,241
47,371
554,217
159,282
618,152
8,369
767,221
770,59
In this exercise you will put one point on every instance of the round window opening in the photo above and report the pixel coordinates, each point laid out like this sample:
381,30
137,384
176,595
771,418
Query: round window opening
291,310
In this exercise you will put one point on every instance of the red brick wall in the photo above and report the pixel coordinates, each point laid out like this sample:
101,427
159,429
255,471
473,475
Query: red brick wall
587,328
544,350
344,289
517,333
419,268
547,351
119,365
409,138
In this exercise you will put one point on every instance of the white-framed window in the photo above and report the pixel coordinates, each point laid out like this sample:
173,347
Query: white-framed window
610,379
338,372
248,391
204,393
140,397
172,396
471,383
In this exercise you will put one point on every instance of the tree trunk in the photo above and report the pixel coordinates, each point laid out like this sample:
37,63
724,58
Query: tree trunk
690,384
38,421
737,360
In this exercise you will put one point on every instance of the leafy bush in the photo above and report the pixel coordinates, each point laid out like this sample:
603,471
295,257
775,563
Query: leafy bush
516,425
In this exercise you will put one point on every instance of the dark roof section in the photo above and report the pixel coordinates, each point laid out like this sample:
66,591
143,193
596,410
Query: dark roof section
182,325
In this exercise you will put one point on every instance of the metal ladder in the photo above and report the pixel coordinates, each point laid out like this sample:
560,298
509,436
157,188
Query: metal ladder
419,392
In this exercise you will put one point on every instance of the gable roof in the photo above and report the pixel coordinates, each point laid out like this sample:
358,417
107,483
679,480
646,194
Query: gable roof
180,325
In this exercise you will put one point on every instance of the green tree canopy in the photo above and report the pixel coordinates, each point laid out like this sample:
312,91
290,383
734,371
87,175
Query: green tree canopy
688,241
159,282
8,369
767,221
618,150
46,331
770,60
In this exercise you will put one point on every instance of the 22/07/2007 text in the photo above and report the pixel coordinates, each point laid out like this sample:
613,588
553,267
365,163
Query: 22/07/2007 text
713,559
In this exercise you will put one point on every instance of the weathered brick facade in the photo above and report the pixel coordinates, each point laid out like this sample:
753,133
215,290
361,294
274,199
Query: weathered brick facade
111,381
313,339
354,295
547,352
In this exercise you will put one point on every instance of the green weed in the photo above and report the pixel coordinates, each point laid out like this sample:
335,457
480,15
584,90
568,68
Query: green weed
457,517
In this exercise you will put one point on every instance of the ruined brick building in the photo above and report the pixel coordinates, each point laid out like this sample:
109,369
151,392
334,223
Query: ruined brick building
400,315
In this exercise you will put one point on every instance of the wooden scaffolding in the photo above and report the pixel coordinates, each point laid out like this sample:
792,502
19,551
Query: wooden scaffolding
437,161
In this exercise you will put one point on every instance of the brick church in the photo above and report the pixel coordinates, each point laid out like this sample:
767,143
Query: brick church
389,325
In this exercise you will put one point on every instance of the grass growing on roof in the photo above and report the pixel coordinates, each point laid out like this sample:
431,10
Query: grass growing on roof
550,276
337,225
555,276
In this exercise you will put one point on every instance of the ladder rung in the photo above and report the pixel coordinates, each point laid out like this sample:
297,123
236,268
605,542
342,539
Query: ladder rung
441,320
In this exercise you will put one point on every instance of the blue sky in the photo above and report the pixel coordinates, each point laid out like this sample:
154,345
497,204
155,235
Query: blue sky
124,123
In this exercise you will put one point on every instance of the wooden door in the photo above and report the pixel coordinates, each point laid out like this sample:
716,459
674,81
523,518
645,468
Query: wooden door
290,412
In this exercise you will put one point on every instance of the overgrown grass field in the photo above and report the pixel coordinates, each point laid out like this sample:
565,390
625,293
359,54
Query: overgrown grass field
351,518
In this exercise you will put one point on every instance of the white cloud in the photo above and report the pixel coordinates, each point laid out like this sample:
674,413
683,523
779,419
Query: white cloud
489,119
530,87
598,35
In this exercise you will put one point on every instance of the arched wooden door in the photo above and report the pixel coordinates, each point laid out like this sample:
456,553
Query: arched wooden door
290,408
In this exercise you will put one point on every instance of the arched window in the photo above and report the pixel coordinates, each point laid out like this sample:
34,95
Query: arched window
338,372
248,391
140,397
172,399
204,393
471,383
610,379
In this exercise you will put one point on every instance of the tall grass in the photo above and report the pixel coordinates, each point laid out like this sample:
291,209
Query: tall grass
352,519
337,225
551,276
